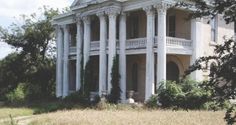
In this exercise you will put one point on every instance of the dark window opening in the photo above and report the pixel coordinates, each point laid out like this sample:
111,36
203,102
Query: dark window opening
135,77
73,32
172,72
172,26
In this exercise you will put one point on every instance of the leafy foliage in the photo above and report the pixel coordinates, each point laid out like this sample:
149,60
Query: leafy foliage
114,96
17,96
11,73
87,81
187,94
34,63
222,76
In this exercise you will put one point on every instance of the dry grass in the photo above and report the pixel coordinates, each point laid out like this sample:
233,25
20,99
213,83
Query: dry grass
14,112
109,117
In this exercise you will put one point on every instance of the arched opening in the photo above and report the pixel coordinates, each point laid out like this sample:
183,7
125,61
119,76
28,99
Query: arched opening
172,71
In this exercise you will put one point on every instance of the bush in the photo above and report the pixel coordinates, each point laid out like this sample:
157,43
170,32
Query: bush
187,94
17,96
152,102
77,97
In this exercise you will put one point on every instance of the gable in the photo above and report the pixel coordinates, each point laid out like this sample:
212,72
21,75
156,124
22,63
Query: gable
87,2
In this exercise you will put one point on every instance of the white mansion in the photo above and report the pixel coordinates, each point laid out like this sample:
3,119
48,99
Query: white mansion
154,40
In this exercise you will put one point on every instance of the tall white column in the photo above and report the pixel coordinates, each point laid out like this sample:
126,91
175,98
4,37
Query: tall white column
149,90
122,57
59,61
102,55
79,39
196,36
161,53
66,61
87,38
111,43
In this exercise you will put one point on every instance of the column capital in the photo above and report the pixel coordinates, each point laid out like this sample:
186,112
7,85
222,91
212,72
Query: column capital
123,14
197,19
86,20
163,6
112,12
149,10
78,19
65,27
100,14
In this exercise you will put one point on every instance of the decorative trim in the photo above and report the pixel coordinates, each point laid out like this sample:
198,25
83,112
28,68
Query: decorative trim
163,6
149,10
86,20
113,12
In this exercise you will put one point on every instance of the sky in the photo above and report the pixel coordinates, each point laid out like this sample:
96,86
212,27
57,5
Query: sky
10,10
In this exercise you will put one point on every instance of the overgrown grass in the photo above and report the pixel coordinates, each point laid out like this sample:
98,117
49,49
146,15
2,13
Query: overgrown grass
131,117
5,112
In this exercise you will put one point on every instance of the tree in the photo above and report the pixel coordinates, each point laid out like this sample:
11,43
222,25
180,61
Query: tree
114,96
34,64
11,73
222,77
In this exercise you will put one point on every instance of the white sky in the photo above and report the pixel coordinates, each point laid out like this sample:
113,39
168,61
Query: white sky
11,9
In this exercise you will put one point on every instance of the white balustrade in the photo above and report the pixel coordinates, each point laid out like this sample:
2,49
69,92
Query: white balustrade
94,45
178,42
73,50
138,43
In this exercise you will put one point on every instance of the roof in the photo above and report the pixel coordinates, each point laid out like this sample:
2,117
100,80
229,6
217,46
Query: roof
87,2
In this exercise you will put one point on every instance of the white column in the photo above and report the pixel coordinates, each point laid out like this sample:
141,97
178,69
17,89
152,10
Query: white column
102,55
111,43
196,36
149,90
122,58
79,39
66,62
59,61
161,53
87,38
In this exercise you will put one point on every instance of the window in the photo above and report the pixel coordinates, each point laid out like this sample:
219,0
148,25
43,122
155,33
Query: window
135,27
73,32
172,26
213,24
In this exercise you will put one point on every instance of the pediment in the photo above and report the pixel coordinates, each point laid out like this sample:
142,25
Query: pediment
85,2
88,2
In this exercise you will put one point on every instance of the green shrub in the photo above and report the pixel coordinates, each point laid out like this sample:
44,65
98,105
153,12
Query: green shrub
213,105
77,97
152,102
187,94
51,107
17,96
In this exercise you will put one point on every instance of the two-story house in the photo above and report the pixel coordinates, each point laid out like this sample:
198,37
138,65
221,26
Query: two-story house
155,41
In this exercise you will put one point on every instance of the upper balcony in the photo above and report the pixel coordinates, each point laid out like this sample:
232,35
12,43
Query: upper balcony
177,26
174,46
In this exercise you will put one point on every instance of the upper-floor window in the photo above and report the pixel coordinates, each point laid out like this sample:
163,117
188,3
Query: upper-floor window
134,27
73,33
213,24
172,26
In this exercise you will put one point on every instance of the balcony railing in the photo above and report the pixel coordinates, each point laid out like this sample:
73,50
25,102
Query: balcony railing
72,50
138,43
178,42
141,43
95,45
